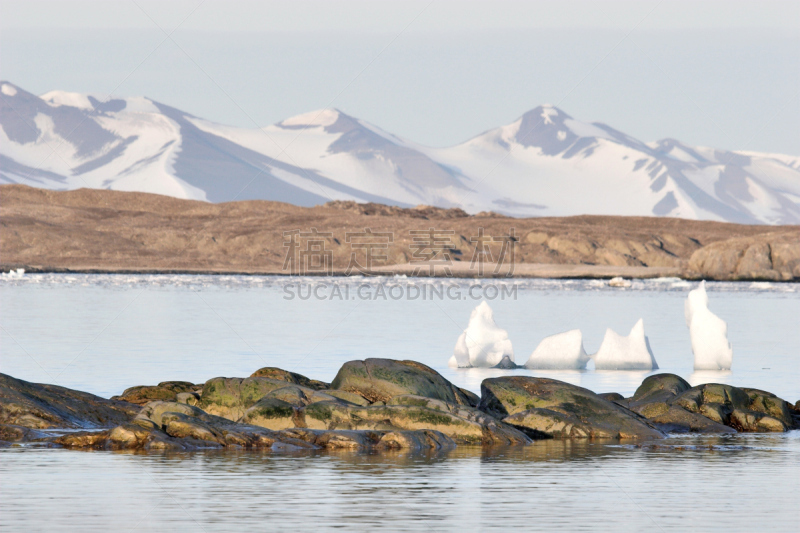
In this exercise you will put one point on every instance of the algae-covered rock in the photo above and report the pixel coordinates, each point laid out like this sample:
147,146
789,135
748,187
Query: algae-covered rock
463,424
750,410
279,374
658,385
231,397
421,440
379,380
678,420
272,413
42,406
560,425
766,402
494,431
167,391
612,396
754,421
509,396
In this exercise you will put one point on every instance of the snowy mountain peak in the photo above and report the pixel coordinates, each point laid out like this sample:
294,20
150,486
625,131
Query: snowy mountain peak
320,117
544,163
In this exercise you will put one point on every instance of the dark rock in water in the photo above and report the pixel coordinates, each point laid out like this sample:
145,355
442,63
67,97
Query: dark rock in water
231,397
11,433
766,402
272,413
506,364
165,391
472,398
611,396
279,374
379,380
660,384
463,424
737,408
678,420
176,426
41,406
560,409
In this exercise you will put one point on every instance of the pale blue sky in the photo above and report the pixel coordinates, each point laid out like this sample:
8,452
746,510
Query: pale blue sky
724,74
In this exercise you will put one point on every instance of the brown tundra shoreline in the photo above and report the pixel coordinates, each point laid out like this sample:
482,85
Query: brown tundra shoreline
102,231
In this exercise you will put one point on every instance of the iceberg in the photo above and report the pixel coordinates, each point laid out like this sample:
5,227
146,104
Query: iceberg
625,353
483,343
562,351
460,357
708,333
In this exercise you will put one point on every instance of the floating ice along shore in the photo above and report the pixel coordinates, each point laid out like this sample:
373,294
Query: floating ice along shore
483,343
709,333
625,353
563,351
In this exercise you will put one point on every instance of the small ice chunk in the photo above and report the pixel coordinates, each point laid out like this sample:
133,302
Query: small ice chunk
14,274
708,332
625,353
563,351
483,343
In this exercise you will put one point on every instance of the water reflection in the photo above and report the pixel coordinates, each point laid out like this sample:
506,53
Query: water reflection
700,377
717,483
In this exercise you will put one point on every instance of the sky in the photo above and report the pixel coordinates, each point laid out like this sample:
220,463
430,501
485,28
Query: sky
712,73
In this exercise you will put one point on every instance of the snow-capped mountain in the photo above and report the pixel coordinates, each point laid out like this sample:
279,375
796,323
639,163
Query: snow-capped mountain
544,164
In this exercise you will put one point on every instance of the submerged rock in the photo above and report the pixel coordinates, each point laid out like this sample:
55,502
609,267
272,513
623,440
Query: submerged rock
560,409
379,380
41,406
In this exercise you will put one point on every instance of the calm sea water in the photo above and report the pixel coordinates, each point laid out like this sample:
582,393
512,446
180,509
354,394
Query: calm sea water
104,333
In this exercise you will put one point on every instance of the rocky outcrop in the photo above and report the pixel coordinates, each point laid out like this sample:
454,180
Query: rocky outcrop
176,426
41,406
279,374
463,424
560,410
735,408
167,391
231,397
378,404
773,256
380,380
668,401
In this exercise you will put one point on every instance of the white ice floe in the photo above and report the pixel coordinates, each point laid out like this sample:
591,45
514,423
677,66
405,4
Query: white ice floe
13,274
708,332
563,351
625,353
483,343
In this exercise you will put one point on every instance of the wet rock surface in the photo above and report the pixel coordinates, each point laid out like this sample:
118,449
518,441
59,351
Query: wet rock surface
561,410
379,380
375,404
670,403
42,406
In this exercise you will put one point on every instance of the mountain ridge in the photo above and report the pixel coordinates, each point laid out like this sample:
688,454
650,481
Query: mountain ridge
546,163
